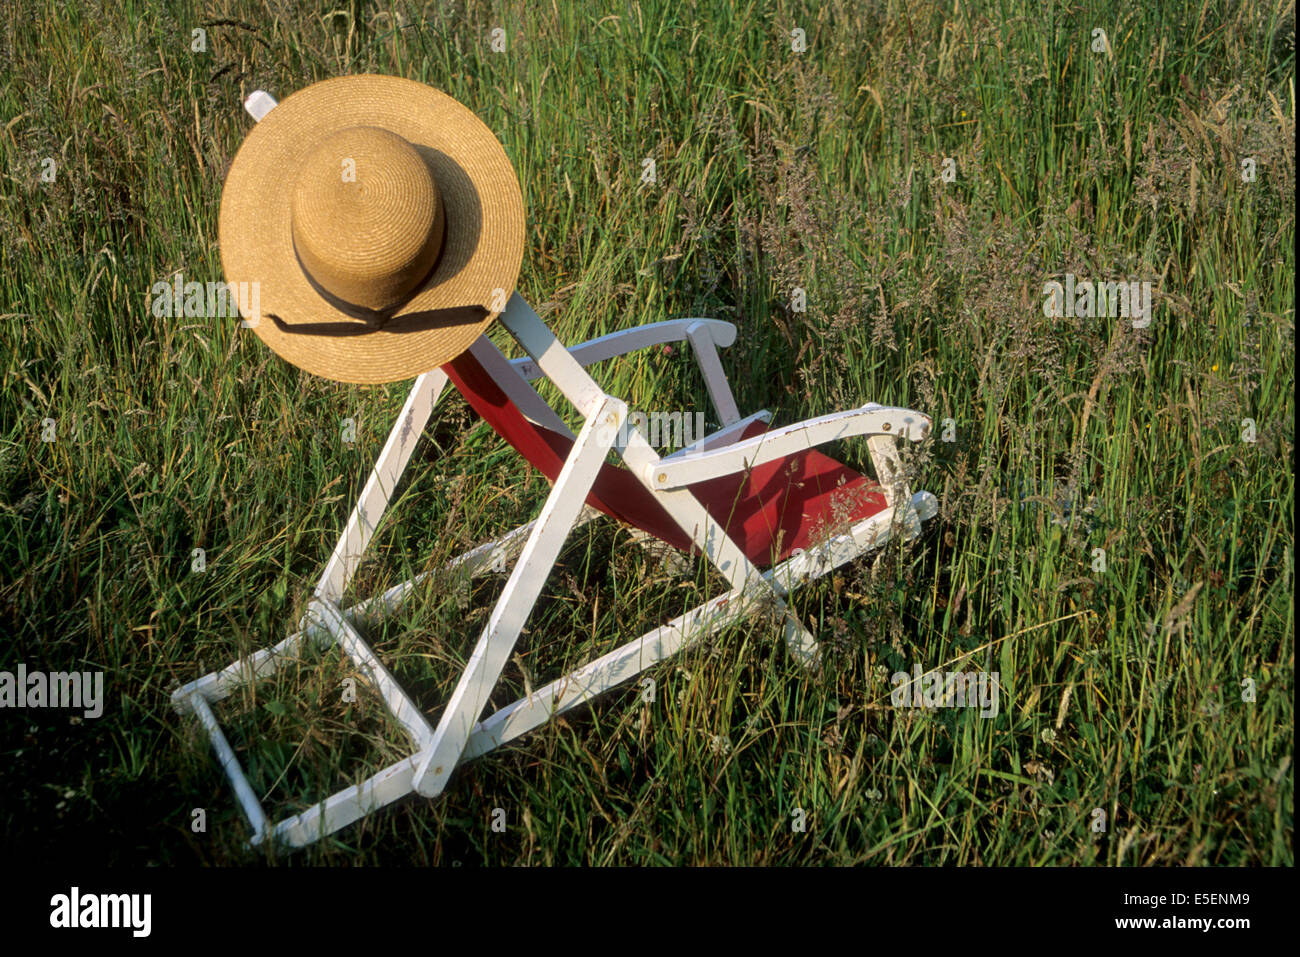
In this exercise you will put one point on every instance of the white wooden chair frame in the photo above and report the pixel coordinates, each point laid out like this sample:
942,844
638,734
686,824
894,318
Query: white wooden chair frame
460,735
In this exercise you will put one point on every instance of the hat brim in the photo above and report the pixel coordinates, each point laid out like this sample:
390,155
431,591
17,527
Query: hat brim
481,253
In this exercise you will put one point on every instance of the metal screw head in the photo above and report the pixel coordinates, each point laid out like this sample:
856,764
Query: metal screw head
663,476
886,426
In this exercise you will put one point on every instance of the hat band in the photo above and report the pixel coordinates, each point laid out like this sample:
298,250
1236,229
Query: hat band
421,321
373,318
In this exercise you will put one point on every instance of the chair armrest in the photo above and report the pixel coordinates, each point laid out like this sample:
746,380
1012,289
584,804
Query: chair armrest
705,335
870,420
629,340
724,436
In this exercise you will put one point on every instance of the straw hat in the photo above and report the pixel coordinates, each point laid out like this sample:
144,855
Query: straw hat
382,222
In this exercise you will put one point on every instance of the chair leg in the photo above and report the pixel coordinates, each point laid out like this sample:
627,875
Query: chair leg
627,661
799,641
889,470
379,488
712,539
539,554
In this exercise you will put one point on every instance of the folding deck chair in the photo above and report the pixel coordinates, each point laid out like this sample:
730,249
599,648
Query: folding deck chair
754,501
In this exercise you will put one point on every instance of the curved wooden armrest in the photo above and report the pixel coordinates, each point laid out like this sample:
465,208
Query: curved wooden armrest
870,420
624,341
705,335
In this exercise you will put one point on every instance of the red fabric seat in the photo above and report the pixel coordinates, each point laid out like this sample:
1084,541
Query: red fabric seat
769,512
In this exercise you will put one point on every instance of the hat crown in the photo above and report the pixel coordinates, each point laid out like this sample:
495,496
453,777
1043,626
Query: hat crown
367,218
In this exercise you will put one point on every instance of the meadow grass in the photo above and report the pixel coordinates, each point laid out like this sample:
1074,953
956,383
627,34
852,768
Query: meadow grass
1127,733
